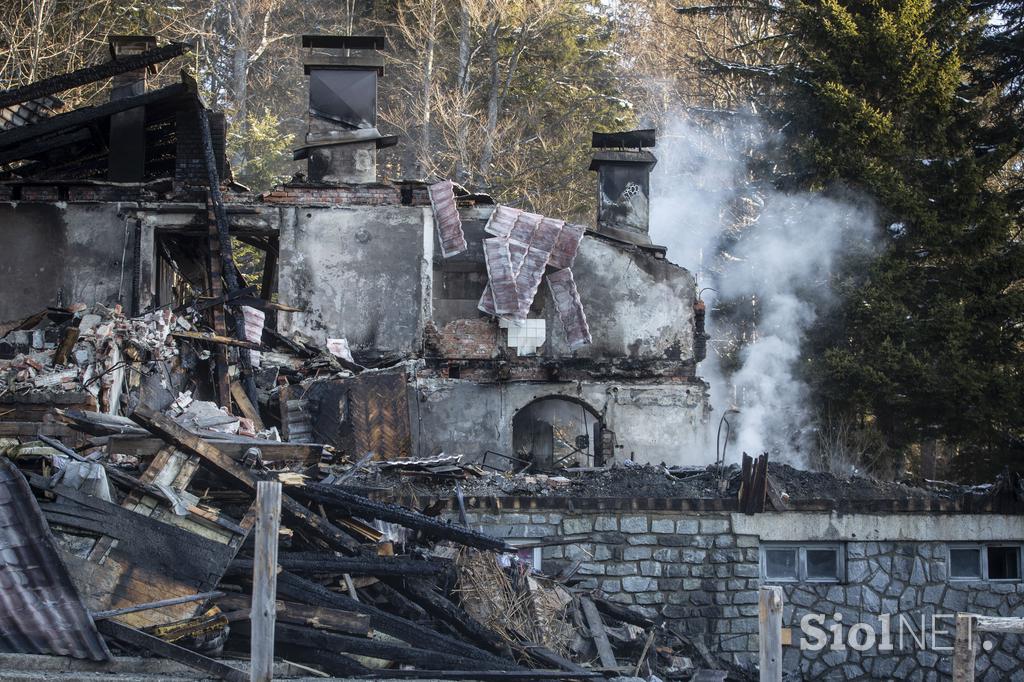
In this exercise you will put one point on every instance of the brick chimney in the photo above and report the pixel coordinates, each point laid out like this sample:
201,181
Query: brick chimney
127,157
624,183
342,139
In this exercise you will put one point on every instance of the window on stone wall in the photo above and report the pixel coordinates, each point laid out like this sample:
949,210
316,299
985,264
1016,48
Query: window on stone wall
809,563
985,562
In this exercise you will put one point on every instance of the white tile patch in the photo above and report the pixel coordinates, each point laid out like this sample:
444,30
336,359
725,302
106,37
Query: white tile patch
526,335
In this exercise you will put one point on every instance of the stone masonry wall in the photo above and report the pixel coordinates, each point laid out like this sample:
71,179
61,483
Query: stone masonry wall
693,570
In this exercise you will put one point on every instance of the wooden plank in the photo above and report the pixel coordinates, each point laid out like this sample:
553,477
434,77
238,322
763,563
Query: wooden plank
1005,625
102,615
320,617
264,581
185,440
128,635
769,621
963,649
600,637
245,405
217,338
231,445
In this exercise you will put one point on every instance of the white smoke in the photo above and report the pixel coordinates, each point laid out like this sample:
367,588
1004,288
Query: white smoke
770,252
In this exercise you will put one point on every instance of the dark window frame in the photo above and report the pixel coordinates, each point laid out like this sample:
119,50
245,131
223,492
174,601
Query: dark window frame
801,549
983,549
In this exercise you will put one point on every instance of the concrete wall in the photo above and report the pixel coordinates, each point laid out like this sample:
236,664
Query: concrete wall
362,273
637,306
701,573
652,422
58,253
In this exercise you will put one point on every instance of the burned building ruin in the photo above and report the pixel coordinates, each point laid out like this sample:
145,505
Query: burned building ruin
528,381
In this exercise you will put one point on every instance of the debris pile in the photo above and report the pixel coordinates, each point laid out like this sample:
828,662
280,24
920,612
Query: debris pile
134,506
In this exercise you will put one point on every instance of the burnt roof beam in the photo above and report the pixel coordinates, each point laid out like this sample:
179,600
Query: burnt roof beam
90,74
81,117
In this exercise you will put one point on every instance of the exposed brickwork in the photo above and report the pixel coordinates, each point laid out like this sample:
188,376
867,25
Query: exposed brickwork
477,339
342,195
189,166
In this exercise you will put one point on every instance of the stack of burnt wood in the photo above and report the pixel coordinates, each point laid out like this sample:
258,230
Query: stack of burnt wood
157,555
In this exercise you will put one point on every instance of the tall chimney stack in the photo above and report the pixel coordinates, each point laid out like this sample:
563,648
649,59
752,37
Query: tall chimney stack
624,183
342,139
127,157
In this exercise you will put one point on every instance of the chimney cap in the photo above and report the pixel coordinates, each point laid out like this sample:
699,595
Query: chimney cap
365,62
632,139
606,157
329,42
121,45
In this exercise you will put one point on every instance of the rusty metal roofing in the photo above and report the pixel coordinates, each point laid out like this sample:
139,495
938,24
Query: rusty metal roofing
501,275
40,610
569,307
525,224
563,253
502,219
449,224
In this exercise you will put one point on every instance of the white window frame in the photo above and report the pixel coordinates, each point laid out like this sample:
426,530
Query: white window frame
983,548
801,561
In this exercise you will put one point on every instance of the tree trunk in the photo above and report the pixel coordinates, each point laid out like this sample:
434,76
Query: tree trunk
493,97
462,173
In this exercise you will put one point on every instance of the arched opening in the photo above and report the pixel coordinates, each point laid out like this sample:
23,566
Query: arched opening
556,432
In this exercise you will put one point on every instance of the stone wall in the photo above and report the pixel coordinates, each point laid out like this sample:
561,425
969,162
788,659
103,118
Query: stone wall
701,572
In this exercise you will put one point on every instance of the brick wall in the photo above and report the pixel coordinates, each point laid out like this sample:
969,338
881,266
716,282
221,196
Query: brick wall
477,339
344,195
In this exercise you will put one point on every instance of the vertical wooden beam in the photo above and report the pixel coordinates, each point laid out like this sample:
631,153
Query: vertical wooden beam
769,621
264,580
604,648
963,649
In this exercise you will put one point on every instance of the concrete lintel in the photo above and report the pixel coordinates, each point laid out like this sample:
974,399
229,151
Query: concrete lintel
812,526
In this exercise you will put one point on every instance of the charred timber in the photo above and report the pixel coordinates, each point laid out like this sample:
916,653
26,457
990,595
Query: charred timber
327,563
305,591
360,646
357,505
91,74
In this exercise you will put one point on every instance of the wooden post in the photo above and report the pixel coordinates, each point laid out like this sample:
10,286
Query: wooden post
264,581
769,621
963,648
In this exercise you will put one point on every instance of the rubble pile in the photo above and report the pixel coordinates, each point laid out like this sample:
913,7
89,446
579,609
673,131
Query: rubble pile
146,500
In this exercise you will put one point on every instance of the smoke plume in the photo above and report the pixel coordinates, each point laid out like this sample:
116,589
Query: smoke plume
764,260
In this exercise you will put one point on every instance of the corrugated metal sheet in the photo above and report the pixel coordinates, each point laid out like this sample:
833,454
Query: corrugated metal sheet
569,307
546,234
40,610
501,221
563,253
501,276
526,223
528,280
446,213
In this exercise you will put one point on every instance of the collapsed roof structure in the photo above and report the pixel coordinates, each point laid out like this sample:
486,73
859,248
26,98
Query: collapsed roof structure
412,343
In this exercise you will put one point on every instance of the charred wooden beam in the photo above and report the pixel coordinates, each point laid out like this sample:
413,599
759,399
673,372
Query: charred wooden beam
360,646
358,505
416,634
80,117
482,675
91,74
440,607
363,565
321,617
187,441
623,613
142,640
